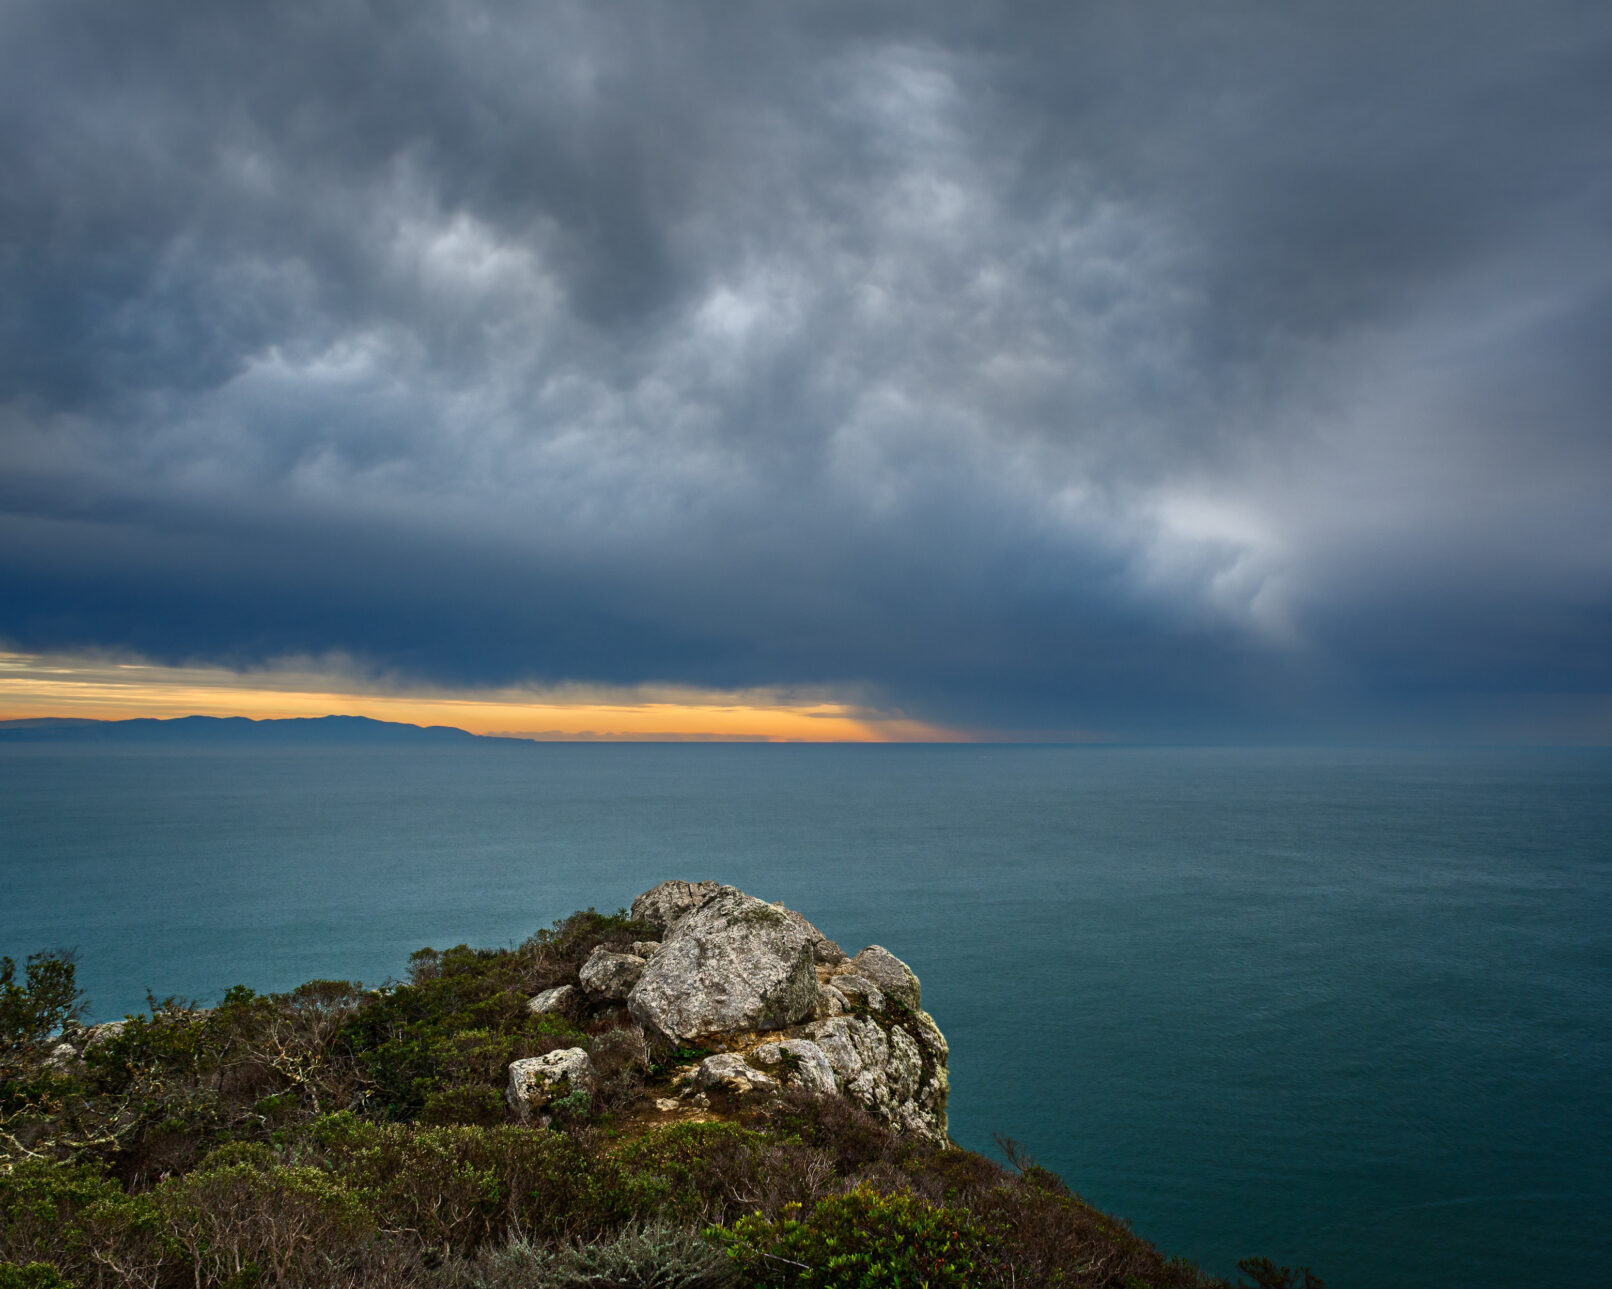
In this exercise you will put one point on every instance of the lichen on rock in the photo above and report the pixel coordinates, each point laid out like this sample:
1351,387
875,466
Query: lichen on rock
535,1081
798,1062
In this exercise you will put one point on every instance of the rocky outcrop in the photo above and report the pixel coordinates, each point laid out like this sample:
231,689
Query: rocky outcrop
824,950
535,1081
789,1006
857,991
883,1068
782,1004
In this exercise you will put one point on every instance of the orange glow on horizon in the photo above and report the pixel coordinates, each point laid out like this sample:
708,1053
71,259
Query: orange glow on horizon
39,686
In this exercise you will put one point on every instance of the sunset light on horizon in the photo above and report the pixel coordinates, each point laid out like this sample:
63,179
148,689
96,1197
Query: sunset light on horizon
39,686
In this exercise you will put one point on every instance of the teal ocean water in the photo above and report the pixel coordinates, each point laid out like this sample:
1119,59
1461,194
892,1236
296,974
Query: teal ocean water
1347,1008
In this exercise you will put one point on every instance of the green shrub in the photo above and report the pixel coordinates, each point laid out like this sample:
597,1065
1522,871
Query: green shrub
153,1103
840,1126
84,1225
694,1172
459,1026
250,1222
864,1240
35,1275
457,1187
636,1257
553,956
482,1106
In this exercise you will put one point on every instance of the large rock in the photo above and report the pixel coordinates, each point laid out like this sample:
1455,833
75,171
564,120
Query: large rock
669,903
927,1115
733,965
534,1081
558,999
894,977
728,1072
609,977
798,1062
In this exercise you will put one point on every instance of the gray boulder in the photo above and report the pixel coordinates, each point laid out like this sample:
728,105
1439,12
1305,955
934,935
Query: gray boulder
728,1072
859,991
830,1002
889,973
798,1062
670,902
557,999
733,965
609,977
534,1081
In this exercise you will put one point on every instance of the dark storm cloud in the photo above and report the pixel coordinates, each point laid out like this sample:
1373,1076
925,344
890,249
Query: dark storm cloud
1171,370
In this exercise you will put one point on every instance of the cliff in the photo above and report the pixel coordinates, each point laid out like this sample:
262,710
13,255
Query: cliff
703,1091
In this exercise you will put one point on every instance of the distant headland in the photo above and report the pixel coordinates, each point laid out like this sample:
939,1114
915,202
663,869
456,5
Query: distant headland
212,731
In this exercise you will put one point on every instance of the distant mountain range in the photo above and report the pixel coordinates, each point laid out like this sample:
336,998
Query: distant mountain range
212,731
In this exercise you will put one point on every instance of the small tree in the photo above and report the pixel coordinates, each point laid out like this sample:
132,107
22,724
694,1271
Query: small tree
47,999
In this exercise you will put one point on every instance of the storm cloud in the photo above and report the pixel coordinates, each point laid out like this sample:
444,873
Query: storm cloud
1174,370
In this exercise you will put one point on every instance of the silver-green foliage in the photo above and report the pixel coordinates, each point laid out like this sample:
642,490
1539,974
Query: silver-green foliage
637,1257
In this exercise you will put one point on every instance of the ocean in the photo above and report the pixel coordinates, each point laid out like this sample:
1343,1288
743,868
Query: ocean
1346,1008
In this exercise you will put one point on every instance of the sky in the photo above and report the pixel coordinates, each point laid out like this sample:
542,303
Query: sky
1082,371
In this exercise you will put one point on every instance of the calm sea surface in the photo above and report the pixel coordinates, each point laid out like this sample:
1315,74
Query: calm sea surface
1347,1008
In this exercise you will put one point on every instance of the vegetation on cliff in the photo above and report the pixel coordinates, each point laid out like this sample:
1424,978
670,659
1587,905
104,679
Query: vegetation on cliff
334,1135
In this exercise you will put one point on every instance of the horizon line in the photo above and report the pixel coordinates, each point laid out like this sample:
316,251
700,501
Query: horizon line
45,721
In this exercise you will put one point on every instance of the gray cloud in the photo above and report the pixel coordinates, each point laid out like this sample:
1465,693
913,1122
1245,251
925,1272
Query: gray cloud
1207,372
